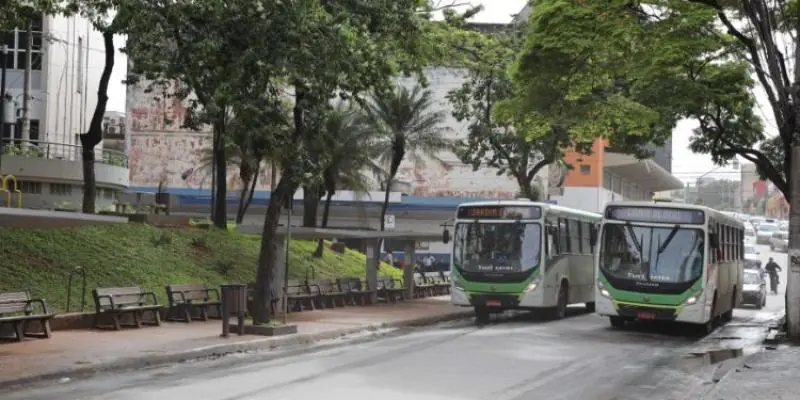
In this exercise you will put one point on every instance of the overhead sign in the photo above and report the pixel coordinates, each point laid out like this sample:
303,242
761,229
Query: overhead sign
656,214
499,212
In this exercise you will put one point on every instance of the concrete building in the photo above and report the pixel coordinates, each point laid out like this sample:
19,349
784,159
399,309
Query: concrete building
67,60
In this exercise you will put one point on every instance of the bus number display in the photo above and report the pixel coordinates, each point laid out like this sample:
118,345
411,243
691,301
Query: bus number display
500,212
656,214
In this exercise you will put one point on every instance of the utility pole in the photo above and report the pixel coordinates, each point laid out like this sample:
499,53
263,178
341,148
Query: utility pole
26,95
793,273
3,55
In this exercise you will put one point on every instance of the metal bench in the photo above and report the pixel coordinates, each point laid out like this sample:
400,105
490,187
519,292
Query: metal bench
329,294
17,309
299,295
357,292
439,285
185,298
421,287
390,289
116,302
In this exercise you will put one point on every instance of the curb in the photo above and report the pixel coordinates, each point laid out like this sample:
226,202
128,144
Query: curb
223,349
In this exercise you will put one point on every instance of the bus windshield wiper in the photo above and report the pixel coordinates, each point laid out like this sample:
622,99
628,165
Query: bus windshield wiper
636,241
668,239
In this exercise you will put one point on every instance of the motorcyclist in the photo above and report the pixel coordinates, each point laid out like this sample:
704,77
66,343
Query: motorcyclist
772,269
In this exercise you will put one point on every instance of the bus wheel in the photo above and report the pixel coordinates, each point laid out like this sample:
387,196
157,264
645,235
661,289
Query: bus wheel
481,315
617,322
590,306
560,311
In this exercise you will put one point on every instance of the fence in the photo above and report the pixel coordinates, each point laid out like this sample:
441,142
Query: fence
59,151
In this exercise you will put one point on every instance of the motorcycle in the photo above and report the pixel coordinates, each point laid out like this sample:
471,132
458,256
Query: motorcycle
774,281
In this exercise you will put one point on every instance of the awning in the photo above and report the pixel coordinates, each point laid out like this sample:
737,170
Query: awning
646,174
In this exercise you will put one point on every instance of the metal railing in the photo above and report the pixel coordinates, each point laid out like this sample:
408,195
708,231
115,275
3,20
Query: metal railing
59,151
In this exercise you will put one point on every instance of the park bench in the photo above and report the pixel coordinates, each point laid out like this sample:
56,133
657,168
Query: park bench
390,289
299,295
328,293
358,293
439,285
421,287
192,301
17,309
117,302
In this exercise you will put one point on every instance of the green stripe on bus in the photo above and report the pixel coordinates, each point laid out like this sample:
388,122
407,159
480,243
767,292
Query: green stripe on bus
471,287
637,298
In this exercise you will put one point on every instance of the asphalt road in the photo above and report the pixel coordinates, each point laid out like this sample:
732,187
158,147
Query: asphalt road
519,357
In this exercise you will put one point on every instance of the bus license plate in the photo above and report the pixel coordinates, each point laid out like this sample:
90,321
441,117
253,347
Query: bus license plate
645,315
493,303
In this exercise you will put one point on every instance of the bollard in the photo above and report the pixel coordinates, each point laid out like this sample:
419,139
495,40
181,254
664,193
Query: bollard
234,303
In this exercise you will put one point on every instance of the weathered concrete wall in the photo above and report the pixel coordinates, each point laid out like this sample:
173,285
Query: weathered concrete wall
162,150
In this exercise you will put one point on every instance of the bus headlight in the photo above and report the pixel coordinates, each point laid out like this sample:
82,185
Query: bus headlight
693,298
603,291
532,286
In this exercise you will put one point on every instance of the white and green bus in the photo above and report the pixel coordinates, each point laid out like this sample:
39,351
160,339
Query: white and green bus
670,262
523,255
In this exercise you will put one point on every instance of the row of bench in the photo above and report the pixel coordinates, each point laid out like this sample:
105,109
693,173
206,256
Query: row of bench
189,302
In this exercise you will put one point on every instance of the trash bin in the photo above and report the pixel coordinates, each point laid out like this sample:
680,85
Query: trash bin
234,304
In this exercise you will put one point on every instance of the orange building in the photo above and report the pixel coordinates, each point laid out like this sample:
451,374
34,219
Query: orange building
606,176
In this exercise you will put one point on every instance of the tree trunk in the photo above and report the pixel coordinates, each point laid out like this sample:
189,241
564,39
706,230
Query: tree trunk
243,207
310,205
221,174
326,212
95,133
267,255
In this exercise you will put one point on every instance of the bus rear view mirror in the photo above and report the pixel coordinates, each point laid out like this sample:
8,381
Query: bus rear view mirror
593,235
445,236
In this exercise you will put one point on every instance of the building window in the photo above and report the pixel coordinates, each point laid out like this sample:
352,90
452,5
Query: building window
585,169
60,189
30,187
17,42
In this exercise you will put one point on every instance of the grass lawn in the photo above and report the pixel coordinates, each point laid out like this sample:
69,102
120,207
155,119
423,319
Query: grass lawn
40,260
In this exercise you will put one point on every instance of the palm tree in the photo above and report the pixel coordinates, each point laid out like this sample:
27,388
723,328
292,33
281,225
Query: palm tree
348,148
406,123
245,150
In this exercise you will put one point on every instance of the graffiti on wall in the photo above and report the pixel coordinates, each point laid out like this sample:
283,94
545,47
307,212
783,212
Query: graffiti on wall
164,151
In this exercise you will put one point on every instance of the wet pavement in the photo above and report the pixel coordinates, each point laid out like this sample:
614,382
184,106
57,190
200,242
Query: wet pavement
518,357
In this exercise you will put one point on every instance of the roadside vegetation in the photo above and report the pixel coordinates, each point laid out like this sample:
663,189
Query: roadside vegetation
41,260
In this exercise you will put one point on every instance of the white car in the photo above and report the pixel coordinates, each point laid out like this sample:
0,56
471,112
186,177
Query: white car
764,232
749,234
751,257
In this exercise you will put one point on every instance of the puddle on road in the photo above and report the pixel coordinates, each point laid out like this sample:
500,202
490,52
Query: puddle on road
698,360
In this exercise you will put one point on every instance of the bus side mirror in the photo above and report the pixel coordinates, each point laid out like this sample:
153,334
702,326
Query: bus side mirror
713,240
593,236
445,236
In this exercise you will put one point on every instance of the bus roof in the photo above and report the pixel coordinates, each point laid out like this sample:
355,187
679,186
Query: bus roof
719,215
528,203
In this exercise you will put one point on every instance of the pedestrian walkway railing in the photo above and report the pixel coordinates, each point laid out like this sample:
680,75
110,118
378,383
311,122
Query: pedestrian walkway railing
59,151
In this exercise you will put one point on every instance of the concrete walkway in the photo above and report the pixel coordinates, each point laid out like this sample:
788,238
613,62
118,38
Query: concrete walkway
80,352
767,375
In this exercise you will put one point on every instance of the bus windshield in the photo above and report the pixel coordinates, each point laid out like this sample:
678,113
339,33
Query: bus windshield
652,254
497,247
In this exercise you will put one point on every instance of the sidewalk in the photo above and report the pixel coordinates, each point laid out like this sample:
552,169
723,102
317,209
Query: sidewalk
79,352
767,375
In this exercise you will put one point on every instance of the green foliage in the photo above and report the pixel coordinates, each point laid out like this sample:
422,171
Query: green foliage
40,260
494,142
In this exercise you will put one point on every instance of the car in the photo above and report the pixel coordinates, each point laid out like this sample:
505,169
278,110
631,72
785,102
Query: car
751,257
779,241
749,233
764,233
754,289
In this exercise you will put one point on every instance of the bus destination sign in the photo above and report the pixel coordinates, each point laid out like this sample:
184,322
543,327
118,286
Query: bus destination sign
656,214
499,212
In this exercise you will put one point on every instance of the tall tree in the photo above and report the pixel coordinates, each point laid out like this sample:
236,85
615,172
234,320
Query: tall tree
764,35
349,148
357,42
491,141
614,70
408,126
